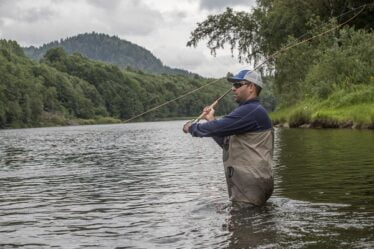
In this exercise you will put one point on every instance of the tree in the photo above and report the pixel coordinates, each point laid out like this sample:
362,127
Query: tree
274,24
62,87
266,29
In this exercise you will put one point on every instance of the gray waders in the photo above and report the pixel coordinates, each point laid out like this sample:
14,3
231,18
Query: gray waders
247,159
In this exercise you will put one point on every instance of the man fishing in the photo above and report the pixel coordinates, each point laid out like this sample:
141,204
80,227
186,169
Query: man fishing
246,137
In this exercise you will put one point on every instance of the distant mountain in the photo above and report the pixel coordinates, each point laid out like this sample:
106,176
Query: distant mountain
109,49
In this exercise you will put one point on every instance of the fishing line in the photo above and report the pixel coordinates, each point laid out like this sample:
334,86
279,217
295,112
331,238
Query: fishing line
172,100
272,56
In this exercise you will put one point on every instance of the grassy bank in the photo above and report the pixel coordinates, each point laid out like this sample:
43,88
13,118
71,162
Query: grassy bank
351,107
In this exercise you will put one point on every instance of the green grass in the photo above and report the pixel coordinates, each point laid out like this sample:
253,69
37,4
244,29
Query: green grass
351,107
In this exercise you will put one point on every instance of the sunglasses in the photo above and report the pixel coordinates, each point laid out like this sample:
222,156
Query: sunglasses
239,84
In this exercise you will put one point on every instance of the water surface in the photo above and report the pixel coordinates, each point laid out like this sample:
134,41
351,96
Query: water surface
148,185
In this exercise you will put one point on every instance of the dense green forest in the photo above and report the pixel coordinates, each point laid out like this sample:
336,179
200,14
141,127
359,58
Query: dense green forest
326,82
65,89
109,49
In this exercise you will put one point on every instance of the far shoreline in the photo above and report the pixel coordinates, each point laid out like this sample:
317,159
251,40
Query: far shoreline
109,120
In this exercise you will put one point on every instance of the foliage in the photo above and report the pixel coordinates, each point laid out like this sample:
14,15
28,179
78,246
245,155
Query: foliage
267,97
348,107
325,65
68,89
264,30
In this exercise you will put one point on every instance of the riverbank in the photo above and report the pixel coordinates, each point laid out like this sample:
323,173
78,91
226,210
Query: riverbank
52,120
55,120
352,107
346,108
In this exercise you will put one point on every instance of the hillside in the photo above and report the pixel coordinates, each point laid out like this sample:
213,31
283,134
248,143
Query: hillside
109,49
63,89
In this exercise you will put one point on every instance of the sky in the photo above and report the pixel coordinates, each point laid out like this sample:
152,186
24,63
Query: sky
161,26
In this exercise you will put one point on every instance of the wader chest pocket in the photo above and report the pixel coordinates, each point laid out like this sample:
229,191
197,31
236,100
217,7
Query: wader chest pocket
230,171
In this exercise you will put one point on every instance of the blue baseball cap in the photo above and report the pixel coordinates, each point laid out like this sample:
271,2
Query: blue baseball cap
248,75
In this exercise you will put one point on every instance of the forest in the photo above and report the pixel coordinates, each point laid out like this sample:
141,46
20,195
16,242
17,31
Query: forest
63,89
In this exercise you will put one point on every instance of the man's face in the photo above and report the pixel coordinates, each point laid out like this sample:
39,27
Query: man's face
242,90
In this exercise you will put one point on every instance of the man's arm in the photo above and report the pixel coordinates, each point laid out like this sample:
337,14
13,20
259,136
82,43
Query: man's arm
217,139
208,116
242,119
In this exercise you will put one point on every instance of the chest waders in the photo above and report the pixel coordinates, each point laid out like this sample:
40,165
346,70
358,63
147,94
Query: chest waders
247,159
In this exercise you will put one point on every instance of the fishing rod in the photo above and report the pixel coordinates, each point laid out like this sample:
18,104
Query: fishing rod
170,101
213,105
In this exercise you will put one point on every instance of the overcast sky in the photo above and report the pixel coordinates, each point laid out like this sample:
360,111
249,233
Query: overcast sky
161,26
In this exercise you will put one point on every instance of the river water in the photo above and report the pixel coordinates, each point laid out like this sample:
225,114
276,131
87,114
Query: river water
148,185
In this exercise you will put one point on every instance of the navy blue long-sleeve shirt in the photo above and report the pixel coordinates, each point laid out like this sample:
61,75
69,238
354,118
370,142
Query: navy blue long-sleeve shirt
249,116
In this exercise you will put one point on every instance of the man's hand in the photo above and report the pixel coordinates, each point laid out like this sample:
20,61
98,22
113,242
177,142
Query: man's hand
208,113
186,127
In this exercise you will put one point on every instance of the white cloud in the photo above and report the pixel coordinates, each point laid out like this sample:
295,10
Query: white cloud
222,4
23,11
126,17
105,4
162,26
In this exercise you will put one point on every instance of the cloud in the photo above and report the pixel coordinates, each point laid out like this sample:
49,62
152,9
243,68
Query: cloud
36,22
221,4
198,61
130,17
36,14
7,10
219,66
5,4
181,57
41,21
162,26
24,12
133,18
104,4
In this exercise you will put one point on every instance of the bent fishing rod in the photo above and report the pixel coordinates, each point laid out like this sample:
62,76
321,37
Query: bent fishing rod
272,56
213,105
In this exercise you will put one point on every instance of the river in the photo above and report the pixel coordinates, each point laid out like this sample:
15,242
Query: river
149,185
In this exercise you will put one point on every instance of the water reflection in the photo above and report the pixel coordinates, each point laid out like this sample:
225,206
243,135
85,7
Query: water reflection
147,185
251,227
335,166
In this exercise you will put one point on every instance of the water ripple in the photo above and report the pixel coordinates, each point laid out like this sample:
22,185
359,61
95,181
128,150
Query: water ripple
148,185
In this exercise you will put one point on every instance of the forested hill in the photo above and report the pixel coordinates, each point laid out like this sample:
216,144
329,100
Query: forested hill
64,89
109,49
